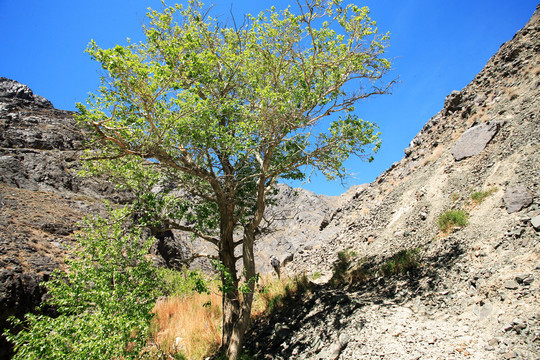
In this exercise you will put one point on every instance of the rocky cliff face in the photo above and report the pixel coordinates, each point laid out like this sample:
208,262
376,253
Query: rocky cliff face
476,291
41,199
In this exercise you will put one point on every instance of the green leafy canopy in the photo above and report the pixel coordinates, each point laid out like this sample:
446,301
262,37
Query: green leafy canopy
220,113
198,90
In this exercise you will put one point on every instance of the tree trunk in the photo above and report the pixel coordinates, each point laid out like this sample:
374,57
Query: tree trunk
236,305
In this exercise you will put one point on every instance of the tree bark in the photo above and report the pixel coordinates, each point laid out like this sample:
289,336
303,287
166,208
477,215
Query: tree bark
237,311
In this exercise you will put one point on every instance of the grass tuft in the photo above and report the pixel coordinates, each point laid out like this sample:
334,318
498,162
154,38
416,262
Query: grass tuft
452,218
401,262
478,197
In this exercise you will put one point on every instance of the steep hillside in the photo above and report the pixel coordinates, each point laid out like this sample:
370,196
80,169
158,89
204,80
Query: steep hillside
475,292
41,199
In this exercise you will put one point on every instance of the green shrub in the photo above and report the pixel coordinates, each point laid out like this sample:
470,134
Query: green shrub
182,283
479,196
401,262
451,219
103,301
341,267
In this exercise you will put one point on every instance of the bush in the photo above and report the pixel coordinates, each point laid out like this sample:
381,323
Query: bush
103,302
341,267
401,262
451,219
182,283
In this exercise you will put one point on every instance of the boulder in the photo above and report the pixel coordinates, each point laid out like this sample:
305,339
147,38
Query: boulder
474,140
453,101
535,222
516,198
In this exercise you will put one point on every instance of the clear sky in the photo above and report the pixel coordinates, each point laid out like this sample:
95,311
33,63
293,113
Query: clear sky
437,46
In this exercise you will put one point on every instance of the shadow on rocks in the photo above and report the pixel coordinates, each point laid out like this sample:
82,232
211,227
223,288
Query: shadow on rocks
308,325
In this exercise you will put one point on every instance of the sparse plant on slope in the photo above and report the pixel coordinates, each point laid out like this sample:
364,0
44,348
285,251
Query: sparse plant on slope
401,262
341,267
103,302
224,112
273,292
451,219
478,197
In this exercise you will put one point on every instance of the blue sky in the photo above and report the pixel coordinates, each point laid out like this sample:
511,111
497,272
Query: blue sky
437,47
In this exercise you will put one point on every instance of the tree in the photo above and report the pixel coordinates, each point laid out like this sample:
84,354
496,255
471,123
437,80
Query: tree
223,112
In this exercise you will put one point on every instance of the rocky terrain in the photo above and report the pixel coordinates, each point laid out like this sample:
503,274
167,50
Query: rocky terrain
472,294
41,199
475,291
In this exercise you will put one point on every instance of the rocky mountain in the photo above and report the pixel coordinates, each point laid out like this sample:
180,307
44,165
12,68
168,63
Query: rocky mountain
473,292
41,199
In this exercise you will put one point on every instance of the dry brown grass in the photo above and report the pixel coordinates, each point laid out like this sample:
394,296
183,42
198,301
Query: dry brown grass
190,325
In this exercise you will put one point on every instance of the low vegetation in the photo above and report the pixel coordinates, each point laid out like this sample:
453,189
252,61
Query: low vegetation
342,267
101,307
478,197
188,326
273,292
451,219
401,262
348,269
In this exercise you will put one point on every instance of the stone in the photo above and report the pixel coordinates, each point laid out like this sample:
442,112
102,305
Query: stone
519,324
516,198
408,151
474,140
282,331
452,102
511,284
525,279
507,327
535,222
